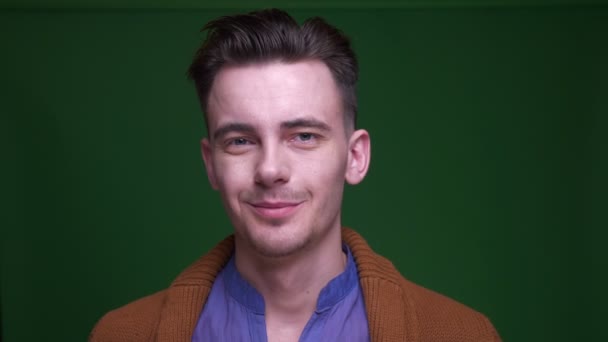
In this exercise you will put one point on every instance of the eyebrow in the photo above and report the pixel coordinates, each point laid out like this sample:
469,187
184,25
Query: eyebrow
305,123
232,127
291,124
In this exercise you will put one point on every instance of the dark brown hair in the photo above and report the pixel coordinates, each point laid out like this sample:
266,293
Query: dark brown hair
270,35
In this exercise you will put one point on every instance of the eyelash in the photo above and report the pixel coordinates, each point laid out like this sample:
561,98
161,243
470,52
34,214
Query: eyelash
234,140
297,138
311,136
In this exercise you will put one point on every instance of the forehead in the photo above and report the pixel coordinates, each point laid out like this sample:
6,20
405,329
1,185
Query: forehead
273,92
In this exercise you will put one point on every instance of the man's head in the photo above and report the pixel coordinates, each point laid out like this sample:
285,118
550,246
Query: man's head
277,150
273,35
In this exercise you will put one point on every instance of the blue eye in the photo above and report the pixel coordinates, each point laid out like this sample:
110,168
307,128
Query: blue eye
239,141
238,145
305,136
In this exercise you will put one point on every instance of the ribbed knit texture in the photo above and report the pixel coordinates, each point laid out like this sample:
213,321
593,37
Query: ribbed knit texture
397,309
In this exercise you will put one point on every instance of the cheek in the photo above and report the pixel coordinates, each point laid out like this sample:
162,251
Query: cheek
326,180
232,174
327,169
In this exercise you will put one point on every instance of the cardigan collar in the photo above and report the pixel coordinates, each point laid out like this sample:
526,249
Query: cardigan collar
386,305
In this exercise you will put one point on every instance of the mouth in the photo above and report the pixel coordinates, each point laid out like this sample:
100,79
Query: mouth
274,210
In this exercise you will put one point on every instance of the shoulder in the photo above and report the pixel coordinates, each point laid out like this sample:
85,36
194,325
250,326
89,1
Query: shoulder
179,304
441,318
401,308
136,321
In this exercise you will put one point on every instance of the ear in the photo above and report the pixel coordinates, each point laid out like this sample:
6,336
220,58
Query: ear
359,154
208,159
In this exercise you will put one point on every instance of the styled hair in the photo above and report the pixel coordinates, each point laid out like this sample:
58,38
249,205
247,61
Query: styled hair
273,35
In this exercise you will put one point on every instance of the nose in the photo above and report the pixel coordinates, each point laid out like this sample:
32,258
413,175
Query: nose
272,168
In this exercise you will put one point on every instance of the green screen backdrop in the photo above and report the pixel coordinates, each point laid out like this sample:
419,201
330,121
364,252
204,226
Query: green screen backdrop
489,125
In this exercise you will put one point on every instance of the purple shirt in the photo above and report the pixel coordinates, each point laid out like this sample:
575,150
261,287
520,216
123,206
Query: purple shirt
235,310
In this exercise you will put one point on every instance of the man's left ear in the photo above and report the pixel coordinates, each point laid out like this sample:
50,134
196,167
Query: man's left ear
359,154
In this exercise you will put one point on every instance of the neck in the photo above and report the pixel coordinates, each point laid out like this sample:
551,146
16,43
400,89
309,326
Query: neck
290,285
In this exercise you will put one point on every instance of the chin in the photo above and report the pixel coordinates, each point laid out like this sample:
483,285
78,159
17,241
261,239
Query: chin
276,242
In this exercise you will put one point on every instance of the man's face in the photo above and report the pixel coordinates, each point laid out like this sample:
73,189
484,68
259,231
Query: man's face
278,153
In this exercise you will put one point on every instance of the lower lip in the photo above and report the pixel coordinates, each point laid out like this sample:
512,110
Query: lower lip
276,213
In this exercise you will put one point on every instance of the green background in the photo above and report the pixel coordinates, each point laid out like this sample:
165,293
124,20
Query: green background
489,126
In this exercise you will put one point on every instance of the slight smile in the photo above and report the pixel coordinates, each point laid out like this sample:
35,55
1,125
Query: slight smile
275,210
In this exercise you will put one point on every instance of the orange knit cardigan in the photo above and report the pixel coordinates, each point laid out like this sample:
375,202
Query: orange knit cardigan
397,309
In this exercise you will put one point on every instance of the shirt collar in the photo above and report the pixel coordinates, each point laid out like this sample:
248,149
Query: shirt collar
330,295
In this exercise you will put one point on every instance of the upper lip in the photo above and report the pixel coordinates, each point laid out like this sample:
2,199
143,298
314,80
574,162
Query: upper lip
272,205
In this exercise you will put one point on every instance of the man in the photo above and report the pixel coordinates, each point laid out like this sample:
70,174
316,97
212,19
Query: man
280,108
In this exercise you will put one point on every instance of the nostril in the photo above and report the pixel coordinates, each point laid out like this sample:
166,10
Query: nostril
271,175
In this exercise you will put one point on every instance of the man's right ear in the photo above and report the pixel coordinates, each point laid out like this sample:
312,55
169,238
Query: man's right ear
208,159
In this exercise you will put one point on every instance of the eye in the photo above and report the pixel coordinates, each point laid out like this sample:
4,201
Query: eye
238,145
239,141
305,136
306,140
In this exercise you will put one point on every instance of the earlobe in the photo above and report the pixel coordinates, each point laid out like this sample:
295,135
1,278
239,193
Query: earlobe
359,154
208,160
